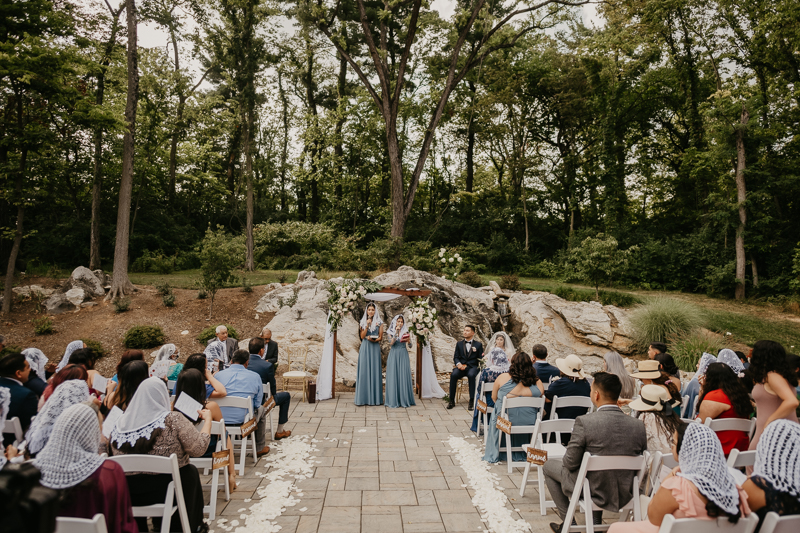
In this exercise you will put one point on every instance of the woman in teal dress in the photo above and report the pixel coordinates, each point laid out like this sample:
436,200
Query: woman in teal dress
520,381
399,389
369,377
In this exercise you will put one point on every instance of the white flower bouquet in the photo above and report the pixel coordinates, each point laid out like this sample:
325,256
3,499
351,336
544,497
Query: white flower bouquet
421,316
342,298
451,264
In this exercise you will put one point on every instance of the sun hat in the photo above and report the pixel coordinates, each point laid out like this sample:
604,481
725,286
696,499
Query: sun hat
572,366
648,369
652,398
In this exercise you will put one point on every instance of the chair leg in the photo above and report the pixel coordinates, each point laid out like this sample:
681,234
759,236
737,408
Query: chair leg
524,479
242,454
542,499
509,454
588,507
170,506
212,502
255,451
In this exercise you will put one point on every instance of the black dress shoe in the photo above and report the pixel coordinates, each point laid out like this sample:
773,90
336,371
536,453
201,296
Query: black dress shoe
555,527
450,405
471,405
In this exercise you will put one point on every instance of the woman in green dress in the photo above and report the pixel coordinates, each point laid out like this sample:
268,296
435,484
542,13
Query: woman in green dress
399,389
369,377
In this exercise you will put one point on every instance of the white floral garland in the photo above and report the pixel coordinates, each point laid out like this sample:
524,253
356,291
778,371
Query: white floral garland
421,318
452,264
342,298
489,499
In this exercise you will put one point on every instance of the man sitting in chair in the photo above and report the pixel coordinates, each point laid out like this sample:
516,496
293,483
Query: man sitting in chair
468,353
266,371
607,431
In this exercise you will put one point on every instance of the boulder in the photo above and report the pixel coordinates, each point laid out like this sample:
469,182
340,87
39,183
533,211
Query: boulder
83,278
77,296
102,277
58,303
33,290
305,275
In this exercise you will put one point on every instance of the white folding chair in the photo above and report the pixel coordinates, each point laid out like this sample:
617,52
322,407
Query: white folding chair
684,406
171,384
236,431
96,524
694,406
596,463
774,523
745,425
206,463
267,393
154,464
555,450
484,418
740,459
670,524
517,403
14,427
570,401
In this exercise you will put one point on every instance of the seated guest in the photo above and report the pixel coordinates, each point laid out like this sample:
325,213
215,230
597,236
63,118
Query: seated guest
730,358
742,359
214,389
497,363
724,396
692,389
701,487
7,452
655,348
131,377
127,357
68,394
654,409
607,431
612,362
86,357
37,380
86,483
544,370
260,366
466,358
71,348
14,372
223,348
270,347
667,364
650,374
192,383
68,373
149,427
774,485
520,381
169,352
571,383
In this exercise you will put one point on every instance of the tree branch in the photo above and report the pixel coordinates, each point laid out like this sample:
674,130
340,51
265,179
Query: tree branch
412,31
356,68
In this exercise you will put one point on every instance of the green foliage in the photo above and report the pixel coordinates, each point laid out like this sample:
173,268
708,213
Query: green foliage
473,279
663,318
510,282
202,294
748,327
10,349
42,326
795,282
121,304
246,287
687,348
153,262
97,346
283,276
619,299
598,259
211,332
163,288
144,337
219,256
168,300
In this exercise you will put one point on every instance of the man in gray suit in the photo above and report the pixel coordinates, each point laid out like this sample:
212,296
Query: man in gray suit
607,431
231,345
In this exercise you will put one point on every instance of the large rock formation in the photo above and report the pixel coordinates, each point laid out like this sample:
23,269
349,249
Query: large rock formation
81,286
587,329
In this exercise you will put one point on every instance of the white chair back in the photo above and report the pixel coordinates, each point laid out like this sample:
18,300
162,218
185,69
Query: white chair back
235,431
484,418
774,523
570,401
14,427
206,463
684,406
555,450
96,524
731,424
670,524
740,459
516,403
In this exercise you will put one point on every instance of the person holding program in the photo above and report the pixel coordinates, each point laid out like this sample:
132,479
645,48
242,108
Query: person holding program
399,389
369,376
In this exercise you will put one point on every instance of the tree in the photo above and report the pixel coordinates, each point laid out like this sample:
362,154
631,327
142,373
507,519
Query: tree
218,259
120,283
598,259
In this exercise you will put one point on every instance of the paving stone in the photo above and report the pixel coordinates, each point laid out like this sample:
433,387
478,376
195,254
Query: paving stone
392,497
382,523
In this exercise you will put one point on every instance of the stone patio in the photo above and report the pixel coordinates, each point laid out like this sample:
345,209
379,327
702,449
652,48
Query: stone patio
397,476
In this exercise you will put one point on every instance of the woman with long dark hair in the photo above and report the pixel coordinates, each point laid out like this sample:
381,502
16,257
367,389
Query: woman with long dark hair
520,381
214,389
130,377
667,364
65,374
127,357
723,396
774,389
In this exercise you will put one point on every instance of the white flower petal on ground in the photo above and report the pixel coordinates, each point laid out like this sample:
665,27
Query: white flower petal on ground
489,499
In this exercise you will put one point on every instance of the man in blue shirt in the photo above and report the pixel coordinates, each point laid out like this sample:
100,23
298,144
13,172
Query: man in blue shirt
266,371
241,382
544,370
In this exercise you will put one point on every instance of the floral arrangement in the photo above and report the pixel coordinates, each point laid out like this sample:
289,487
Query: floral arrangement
451,264
421,316
343,298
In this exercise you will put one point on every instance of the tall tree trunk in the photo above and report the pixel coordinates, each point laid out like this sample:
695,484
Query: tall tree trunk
248,170
120,283
338,149
471,142
741,196
285,143
8,294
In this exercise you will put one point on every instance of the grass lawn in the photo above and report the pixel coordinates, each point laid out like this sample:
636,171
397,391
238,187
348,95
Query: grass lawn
748,328
188,279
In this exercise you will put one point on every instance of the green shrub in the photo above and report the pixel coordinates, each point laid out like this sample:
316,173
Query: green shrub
9,349
42,326
473,279
663,318
619,299
202,295
687,348
121,304
97,346
211,331
154,262
246,287
169,300
143,337
510,282
163,288
283,276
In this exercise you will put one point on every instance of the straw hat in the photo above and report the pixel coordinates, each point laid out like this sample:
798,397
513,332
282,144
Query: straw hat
652,398
648,369
572,366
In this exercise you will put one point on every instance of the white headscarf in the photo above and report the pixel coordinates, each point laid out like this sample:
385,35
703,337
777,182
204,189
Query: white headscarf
165,353
70,455
376,320
497,359
146,413
5,403
705,360
38,360
778,456
730,358
393,327
216,351
66,395
71,348
703,463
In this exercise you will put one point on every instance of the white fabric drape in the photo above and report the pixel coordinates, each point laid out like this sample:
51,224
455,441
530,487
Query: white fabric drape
430,385
325,374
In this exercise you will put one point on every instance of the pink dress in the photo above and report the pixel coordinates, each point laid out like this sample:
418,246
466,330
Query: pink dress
766,404
689,506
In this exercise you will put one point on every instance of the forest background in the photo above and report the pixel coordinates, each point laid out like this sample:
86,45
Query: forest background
358,135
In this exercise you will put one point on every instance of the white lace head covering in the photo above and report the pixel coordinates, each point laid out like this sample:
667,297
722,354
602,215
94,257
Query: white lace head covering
38,360
146,413
705,360
70,455
778,456
216,351
730,358
71,348
497,358
508,346
5,403
703,463
165,353
376,320
66,395
393,327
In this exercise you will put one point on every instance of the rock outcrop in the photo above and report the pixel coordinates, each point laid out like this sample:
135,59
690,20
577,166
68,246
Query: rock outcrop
82,286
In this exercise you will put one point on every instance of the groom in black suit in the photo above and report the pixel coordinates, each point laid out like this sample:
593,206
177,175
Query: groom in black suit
468,354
